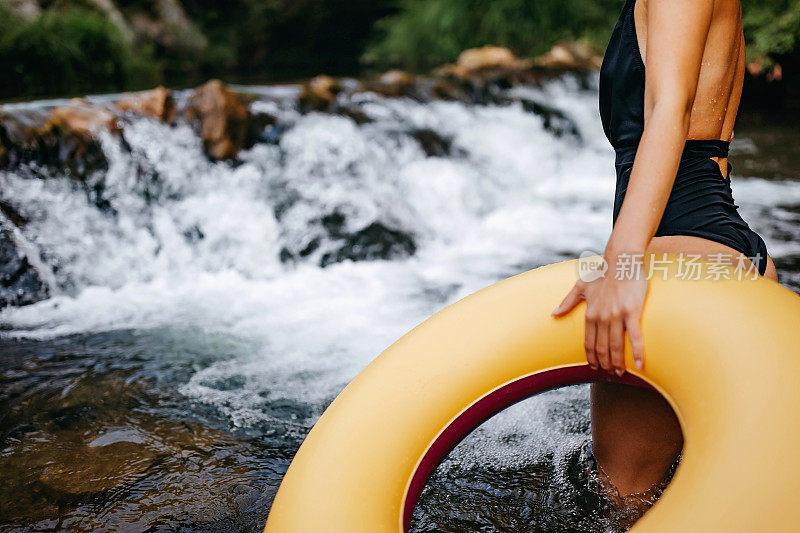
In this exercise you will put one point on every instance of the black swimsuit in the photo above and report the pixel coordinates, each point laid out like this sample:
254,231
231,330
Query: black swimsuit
701,202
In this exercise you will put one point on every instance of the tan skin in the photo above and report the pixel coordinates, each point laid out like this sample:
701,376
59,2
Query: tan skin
695,60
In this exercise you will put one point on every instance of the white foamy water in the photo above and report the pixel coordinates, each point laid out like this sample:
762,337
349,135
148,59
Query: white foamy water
191,244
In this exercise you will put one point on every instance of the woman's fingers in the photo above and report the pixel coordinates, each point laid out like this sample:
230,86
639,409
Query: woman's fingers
634,328
616,345
601,346
589,343
573,298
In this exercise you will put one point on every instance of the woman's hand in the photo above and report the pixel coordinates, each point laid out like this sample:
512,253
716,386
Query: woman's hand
613,305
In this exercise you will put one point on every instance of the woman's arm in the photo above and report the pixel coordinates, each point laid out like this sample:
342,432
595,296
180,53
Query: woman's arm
676,38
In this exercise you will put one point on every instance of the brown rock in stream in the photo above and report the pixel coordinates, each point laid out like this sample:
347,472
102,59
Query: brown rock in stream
393,83
319,94
221,117
82,119
490,57
158,103
570,56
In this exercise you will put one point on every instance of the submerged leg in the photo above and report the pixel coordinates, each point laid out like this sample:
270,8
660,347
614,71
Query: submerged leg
636,440
636,436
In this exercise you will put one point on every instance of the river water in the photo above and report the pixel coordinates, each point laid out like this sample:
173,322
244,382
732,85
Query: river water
207,313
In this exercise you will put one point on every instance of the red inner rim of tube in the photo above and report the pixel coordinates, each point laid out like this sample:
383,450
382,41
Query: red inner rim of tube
490,405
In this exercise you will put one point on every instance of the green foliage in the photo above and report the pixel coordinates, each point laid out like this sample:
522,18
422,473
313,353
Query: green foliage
74,47
772,27
65,52
426,33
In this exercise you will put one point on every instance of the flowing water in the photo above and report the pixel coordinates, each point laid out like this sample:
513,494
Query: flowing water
207,313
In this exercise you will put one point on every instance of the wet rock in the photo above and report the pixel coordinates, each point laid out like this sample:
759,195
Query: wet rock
319,94
82,120
58,140
221,117
68,140
20,136
157,103
480,73
352,112
392,84
263,127
555,120
85,470
11,213
570,56
375,241
489,57
432,142
21,283
449,89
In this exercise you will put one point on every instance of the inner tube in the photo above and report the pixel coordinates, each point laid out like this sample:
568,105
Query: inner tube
725,353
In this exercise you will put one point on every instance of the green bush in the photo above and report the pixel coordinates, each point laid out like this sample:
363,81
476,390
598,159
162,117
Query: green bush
426,33
67,52
772,27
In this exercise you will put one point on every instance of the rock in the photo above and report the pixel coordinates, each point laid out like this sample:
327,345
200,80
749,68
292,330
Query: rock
352,112
264,128
83,120
221,118
20,281
554,120
319,94
72,129
83,470
20,137
489,57
446,89
480,72
374,241
432,143
63,138
570,56
393,83
158,103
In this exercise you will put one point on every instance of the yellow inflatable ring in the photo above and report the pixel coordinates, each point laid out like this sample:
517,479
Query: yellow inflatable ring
725,354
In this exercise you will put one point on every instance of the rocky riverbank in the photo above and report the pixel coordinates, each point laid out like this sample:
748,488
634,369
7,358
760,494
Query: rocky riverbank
67,138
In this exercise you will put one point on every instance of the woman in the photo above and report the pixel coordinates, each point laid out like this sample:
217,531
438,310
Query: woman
670,130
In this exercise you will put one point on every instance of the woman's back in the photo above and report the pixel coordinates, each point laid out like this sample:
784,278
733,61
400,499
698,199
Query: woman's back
721,76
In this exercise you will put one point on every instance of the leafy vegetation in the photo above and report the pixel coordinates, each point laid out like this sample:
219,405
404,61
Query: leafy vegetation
62,47
426,33
772,28
61,51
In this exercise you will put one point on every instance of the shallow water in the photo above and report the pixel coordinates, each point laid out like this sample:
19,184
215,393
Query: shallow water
195,337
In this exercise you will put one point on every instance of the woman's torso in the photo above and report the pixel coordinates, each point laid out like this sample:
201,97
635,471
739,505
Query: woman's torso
719,85
701,204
